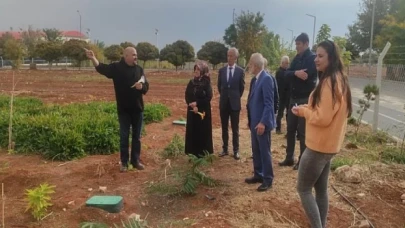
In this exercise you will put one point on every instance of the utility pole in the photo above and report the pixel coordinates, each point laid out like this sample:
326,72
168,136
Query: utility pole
371,40
313,32
157,45
233,16
80,18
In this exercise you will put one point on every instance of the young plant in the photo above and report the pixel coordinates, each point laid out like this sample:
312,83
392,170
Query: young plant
195,176
175,147
370,91
39,200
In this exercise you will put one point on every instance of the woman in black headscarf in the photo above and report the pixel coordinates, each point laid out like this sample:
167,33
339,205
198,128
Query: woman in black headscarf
199,122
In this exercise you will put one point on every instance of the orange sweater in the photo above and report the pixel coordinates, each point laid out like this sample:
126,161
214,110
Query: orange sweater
325,126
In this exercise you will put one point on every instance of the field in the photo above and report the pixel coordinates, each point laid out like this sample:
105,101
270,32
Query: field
147,193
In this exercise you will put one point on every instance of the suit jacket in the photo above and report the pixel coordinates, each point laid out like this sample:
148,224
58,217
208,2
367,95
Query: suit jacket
233,92
276,95
261,102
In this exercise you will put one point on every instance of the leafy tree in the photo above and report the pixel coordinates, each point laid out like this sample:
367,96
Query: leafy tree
344,54
99,44
250,32
3,39
177,53
75,49
49,51
147,51
30,39
360,31
323,34
231,36
127,44
113,52
272,49
213,52
15,51
52,34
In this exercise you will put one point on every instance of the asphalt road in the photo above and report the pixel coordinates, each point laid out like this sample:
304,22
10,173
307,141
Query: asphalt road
391,110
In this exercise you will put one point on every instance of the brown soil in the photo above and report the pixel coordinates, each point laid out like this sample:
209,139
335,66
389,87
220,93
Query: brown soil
236,204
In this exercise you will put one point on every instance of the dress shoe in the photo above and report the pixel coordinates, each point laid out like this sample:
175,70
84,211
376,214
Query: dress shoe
264,187
286,163
138,166
253,180
236,156
223,153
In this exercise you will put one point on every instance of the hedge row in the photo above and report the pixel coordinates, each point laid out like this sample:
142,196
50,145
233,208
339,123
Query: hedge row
66,132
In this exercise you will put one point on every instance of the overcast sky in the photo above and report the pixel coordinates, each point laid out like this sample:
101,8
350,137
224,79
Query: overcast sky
196,21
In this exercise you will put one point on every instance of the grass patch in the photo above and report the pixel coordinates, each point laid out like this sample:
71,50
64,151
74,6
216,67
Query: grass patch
175,147
340,161
66,132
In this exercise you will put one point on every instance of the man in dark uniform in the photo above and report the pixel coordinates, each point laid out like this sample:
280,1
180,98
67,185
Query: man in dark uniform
130,85
283,91
302,77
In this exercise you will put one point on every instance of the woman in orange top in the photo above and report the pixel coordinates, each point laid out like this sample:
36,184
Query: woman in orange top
329,106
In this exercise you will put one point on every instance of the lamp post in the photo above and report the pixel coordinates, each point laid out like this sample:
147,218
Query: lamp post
313,32
292,37
157,45
80,17
371,40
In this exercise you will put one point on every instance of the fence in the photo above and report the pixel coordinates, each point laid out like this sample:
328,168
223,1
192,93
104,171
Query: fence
391,112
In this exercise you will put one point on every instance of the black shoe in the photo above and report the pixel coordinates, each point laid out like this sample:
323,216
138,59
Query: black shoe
138,166
236,156
253,180
223,153
286,163
264,187
123,168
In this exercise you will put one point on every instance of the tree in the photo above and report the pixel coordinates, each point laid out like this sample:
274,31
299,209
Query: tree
3,39
75,49
360,31
213,52
30,39
113,52
344,54
52,34
15,51
177,53
250,31
323,34
49,51
231,36
127,44
99,44
272,49
146,51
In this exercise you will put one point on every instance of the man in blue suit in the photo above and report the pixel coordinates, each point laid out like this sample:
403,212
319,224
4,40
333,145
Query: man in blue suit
231,84
261,122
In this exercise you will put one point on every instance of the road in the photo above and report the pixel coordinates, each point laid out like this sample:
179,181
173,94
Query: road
391,111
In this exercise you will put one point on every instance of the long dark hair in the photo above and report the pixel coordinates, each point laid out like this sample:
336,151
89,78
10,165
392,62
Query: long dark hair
334,68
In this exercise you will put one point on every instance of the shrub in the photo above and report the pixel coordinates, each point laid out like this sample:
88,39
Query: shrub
39,200
393,154
175,147
66,132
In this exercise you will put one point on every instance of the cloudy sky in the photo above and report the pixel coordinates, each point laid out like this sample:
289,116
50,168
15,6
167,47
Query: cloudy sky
196,21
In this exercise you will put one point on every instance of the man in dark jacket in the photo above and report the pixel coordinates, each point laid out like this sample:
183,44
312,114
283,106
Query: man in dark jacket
283,91
130,85
302,77
231,84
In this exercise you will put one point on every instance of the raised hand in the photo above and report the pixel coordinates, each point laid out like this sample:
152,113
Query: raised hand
89,53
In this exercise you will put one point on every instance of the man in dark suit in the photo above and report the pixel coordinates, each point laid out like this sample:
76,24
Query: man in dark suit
302,77
283,91
261,123
231,84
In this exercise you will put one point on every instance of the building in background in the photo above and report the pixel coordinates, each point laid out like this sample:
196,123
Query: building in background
65,35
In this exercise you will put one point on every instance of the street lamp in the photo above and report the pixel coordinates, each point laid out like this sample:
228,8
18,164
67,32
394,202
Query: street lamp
80,16
88,33
313,33
157,45
292,37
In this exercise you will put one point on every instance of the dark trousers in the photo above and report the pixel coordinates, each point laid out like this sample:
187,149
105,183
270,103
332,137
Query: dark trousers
225,113
294,124
126,120
262,164
284,104
139,131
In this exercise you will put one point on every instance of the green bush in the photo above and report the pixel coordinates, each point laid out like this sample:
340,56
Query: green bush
66,132
175,147
394,155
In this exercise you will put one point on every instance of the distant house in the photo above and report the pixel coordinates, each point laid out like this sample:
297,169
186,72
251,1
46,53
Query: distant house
65,35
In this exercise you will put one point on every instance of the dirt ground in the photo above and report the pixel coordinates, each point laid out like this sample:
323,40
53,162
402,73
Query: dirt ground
236,204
